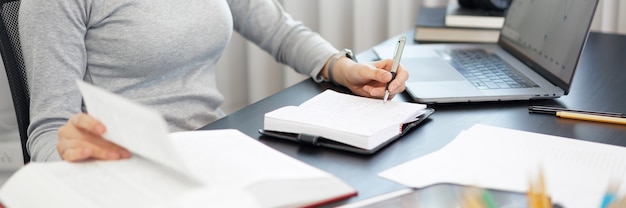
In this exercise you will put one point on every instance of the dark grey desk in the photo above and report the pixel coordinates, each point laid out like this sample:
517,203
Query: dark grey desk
599,84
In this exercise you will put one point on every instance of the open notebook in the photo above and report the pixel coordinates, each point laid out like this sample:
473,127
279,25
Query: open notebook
344,121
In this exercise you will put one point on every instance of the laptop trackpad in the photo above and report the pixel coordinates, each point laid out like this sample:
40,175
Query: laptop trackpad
430,69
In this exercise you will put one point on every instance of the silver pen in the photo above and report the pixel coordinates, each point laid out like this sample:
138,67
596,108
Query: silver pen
396,63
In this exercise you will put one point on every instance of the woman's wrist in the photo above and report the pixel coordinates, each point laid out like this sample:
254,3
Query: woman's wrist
340,60
331,67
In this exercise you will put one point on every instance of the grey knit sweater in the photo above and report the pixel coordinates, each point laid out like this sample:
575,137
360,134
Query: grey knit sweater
161,53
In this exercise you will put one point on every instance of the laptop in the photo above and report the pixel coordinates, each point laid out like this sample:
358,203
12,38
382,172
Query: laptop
535,57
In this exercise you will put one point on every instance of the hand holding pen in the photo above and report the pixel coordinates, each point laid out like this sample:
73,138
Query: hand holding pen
396,63
367,79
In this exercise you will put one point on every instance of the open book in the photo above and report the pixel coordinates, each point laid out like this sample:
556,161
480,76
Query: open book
218,168
345,121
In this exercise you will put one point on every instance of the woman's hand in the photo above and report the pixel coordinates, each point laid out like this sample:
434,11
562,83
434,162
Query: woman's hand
81,139
369,79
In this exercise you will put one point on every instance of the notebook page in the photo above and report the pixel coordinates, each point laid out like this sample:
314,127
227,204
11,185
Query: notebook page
241,160
233,160
354,110
133,182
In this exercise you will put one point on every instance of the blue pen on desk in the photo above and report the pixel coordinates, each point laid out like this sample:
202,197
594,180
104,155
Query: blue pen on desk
396,63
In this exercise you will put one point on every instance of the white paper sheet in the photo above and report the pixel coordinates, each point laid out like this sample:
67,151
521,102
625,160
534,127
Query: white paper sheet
577,172
141,130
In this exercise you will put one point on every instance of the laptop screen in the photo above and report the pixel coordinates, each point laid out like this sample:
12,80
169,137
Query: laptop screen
549,35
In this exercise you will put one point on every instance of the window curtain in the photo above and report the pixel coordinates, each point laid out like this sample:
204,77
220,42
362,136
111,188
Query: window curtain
246,74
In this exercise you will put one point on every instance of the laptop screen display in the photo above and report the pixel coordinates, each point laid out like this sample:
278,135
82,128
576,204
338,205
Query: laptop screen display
549,34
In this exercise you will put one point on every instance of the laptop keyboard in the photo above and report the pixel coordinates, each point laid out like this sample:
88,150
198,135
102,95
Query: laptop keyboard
487,71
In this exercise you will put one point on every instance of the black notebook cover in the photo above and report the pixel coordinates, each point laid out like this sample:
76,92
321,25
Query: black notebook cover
323,142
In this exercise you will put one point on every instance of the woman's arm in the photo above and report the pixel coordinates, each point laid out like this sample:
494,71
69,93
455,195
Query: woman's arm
265,23
52,35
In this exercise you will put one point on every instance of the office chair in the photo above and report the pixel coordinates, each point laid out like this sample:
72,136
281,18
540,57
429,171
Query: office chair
14,64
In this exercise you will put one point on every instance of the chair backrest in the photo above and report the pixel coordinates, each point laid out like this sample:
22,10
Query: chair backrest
14,64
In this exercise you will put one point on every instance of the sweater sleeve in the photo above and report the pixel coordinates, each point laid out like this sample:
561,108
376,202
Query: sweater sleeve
52,27
265,23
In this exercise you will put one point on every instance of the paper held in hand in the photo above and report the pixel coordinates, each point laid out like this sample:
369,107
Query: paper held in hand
361,122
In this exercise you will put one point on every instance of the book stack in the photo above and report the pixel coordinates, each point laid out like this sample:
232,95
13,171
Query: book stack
456,24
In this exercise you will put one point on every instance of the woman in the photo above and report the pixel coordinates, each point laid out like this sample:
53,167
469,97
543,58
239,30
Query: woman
161,53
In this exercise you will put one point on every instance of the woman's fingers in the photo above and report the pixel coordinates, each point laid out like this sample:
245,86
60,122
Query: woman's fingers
88,123
81,139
